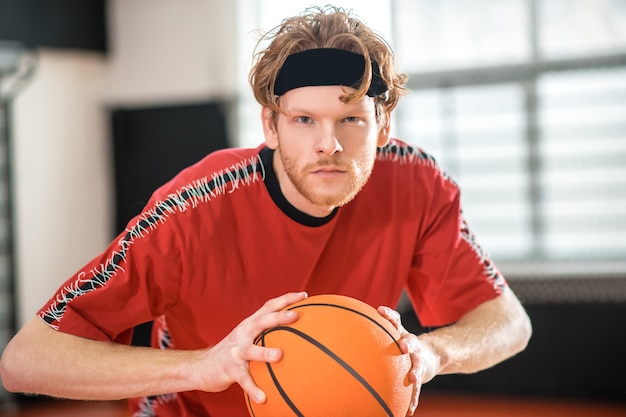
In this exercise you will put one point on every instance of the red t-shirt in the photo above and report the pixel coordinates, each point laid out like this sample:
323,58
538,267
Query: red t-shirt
218,240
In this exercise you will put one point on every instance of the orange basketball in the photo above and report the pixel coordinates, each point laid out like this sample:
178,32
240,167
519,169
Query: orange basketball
340,358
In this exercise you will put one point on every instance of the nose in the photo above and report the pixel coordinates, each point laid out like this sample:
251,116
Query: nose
328,143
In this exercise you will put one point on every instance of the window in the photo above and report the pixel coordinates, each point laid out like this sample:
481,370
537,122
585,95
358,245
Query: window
477,136
524,104
446,34
571,28
582,194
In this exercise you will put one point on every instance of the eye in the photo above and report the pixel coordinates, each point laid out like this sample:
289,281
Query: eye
352,119
303,119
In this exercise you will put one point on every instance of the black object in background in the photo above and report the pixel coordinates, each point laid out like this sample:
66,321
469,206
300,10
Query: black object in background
69,24
152,145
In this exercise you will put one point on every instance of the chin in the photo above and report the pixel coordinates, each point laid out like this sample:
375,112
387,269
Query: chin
332,200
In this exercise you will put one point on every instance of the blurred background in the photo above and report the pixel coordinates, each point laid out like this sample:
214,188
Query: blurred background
523,102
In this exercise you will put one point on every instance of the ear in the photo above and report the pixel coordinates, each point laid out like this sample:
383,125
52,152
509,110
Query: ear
269,128
383,134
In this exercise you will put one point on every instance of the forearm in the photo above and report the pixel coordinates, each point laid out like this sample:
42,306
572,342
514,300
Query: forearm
40,360
491,333
71,367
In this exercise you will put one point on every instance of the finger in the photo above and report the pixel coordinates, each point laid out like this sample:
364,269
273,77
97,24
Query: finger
393,316
271,314
266,321
417,388
283,301
261,354
247,384
417,378
415,374
408,344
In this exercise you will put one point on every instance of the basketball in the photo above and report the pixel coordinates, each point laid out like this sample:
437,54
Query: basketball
340,358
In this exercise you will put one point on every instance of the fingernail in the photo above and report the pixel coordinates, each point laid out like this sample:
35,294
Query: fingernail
409,345
290,313
259,398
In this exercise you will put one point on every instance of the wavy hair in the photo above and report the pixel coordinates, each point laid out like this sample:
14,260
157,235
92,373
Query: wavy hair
326,27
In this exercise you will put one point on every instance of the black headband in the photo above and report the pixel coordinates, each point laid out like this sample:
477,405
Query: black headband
326,66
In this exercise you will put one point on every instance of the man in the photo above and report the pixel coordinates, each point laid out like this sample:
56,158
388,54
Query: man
328,204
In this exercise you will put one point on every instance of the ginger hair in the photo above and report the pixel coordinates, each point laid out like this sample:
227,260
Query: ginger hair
326,27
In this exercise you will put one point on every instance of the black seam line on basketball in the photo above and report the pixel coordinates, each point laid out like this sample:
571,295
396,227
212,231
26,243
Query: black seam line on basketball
147,223
250,405
355,312
279,387
336,358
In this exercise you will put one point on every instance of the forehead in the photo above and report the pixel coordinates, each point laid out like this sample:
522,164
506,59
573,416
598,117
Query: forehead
323,98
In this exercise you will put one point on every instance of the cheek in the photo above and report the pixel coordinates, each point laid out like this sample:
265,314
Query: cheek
295,141
367,156
361,145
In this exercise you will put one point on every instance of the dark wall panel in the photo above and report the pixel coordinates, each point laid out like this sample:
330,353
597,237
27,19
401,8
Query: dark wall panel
577,351
72,24
151,145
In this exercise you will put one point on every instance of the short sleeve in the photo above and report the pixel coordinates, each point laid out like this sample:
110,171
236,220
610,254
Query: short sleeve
450,273
133,281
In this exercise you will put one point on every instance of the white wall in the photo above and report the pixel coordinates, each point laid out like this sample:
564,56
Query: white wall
162,52
171,50
61,168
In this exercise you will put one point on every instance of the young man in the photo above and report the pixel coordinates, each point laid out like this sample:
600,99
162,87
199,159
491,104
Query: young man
328,204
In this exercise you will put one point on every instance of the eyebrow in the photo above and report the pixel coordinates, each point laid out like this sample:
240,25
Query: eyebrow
355,108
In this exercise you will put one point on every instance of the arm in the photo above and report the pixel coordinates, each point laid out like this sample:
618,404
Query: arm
42,360
492,332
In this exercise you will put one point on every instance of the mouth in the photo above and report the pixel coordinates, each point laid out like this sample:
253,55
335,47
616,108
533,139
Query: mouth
328,168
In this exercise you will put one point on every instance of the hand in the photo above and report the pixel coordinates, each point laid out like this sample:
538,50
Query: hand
410,344
228,361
